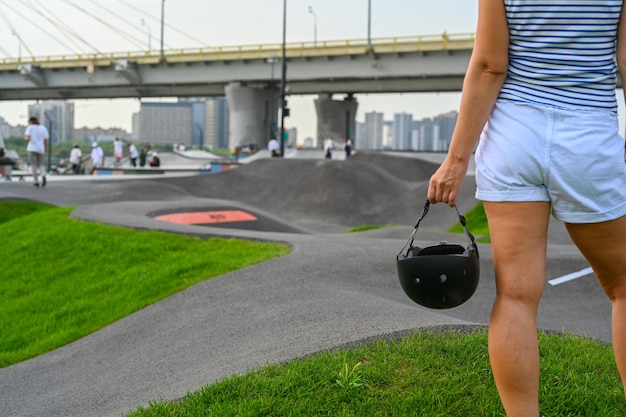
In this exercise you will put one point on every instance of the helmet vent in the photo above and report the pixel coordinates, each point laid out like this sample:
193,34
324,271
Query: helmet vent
443,278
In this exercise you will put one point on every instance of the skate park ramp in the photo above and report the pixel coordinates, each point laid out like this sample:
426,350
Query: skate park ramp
329,195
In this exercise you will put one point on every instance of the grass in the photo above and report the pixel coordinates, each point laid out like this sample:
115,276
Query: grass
10,210
368,227
429,373
63,278
476,223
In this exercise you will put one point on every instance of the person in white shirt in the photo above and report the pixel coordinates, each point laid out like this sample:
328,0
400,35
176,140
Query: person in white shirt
97,156
273,147
328,147
133,154
75,159
118,149
37,138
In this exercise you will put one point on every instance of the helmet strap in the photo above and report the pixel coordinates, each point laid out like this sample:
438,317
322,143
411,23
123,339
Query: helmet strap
470,237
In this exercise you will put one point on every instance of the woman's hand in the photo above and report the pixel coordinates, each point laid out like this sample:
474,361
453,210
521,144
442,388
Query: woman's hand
446,182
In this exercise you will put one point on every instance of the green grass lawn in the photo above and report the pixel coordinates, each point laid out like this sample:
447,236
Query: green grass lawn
369,227
428,374
64,278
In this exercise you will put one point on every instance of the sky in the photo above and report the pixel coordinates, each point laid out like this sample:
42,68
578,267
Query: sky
66,27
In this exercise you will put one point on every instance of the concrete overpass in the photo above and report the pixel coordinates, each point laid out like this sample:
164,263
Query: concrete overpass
245,75
403,64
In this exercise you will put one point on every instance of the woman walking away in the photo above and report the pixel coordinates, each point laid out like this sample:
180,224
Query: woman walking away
539,93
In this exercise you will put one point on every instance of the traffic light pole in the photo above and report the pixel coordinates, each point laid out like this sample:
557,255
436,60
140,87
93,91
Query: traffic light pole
283,82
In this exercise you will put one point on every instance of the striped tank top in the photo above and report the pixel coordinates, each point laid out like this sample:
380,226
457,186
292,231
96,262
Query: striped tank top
562,53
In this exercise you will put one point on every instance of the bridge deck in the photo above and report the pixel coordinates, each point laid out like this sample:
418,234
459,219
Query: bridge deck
407,44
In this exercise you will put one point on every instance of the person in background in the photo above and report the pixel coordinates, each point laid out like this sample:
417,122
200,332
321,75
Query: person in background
6,166
273,147
539,93
97,157
37,137
328,148
133,154
155,161
76,159
118,151
348,148
143,154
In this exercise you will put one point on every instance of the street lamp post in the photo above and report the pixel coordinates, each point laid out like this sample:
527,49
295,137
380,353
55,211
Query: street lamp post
143,23
272,59
162,27
369,25
283,83
311,11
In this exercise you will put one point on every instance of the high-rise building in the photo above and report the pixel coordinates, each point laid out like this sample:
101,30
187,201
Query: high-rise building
166,122
371,131
57,116
423,134
445,123
434,135
194,122
402,131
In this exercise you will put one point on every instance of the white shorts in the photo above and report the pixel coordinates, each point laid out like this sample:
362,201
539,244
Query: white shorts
574,159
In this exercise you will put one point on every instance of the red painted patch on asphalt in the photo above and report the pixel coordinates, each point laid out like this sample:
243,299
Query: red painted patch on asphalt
208,217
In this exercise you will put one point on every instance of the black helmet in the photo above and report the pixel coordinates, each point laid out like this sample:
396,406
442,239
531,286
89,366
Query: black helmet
439,276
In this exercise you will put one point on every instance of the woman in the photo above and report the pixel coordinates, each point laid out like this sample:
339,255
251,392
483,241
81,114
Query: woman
540,94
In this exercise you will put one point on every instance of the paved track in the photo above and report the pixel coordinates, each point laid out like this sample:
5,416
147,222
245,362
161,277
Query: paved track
331,290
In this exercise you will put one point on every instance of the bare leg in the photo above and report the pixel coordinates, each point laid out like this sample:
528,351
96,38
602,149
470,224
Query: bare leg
603,245
518,241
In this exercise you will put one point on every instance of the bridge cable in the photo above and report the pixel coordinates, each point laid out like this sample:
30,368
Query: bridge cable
128,22
15,32
130,38
158,20
64,29
26,18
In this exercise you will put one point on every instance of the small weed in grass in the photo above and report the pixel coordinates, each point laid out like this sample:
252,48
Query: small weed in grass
350,377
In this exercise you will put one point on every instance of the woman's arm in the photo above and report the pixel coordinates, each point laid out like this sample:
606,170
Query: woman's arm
484,78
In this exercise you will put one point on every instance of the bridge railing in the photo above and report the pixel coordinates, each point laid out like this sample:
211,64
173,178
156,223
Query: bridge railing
401,44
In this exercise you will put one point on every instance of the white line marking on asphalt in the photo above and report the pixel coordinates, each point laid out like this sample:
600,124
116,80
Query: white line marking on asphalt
569,277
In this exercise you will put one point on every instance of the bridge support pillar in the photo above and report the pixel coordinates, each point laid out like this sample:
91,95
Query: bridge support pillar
336,119
251,114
